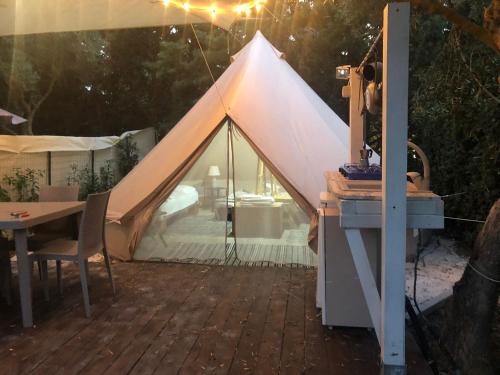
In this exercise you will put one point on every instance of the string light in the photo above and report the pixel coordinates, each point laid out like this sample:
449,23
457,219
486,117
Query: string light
213,10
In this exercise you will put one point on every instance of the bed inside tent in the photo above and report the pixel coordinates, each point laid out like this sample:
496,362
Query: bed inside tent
229,208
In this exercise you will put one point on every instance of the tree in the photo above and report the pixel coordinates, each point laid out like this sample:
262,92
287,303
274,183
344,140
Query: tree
469,313
32,66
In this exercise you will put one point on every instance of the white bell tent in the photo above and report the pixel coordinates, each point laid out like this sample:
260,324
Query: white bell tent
249,153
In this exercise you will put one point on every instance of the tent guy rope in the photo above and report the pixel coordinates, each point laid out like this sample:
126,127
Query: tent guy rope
209,70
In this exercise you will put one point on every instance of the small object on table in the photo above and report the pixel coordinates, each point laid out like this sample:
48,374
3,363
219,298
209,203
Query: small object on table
18,214
356,172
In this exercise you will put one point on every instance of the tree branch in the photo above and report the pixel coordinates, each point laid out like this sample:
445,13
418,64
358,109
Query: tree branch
463,23
473,74
40,102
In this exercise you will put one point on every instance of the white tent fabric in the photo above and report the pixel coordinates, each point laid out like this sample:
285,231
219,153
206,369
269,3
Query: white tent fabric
16,120
286,121
19,17
18,144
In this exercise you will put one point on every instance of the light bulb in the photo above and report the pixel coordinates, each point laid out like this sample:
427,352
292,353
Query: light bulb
238,9
166,2
186,7
213,11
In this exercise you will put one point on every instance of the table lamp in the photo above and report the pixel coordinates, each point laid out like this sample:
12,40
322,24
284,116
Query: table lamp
213,173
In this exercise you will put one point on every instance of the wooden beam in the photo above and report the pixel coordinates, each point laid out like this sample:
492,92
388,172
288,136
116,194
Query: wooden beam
356,118
366,278
394,165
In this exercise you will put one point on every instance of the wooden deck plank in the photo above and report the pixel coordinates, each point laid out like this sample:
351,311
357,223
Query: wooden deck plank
171,346
174,361
203,347
230,335
269,352
292,355
134,346
171,317
246,354
83,348
315,355
60,327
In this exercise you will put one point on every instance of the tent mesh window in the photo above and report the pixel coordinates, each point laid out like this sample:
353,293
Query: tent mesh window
229,209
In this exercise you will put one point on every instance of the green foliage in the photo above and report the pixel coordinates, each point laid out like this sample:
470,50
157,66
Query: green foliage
4,195
453,116
127,155
89,181
25,183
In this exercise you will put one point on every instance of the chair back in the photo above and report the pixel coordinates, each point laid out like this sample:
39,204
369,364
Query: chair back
91,236
50,193
58,193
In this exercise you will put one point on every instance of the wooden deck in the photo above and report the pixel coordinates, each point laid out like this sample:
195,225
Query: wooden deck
190,319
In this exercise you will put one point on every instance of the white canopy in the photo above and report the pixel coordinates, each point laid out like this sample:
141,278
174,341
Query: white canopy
16,120
18,144
285,120
18,17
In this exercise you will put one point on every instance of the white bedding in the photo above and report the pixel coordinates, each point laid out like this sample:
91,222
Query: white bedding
182,197
250,199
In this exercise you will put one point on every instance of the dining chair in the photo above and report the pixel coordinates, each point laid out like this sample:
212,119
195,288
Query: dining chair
50,193
56,228
91,240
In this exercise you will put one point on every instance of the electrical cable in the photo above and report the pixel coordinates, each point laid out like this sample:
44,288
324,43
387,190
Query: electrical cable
435,335
463,219
452,195
482,274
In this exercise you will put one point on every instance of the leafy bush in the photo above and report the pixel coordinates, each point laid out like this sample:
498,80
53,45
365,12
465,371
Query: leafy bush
89,181
25,183
127,155
4,195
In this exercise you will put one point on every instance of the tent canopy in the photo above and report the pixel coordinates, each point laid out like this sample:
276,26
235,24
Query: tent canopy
19,17
15,119
18,144
283,118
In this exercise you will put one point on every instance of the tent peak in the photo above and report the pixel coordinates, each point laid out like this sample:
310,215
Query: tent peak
258,41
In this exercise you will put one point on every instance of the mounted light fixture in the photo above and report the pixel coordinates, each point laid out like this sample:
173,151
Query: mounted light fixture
343,72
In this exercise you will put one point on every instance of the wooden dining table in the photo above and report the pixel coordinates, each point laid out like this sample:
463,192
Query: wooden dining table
35,213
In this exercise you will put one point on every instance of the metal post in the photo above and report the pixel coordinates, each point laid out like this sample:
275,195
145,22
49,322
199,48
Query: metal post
49,168
356,118
92,163
394,164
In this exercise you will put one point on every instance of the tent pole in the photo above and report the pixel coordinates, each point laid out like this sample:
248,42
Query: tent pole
49,168
234,188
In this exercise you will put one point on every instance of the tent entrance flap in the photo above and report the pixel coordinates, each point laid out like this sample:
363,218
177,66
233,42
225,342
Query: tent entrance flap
229,208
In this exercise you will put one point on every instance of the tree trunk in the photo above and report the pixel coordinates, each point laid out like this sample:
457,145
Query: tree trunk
469,313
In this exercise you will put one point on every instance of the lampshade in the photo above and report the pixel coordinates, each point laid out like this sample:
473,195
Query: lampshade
213,171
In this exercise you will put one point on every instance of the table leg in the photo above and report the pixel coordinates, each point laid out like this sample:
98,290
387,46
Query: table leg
24,275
